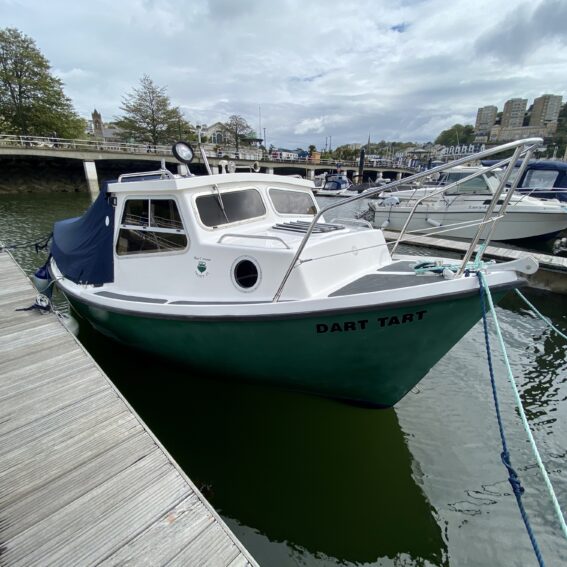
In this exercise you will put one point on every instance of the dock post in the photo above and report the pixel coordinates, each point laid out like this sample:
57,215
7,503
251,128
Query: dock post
91,176
270,170
311,174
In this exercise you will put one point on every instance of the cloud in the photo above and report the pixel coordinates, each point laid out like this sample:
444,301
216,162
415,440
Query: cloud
522,32
399,69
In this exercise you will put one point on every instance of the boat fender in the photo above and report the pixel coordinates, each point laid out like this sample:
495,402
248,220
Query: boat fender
432,222
390,201
385,224
41,279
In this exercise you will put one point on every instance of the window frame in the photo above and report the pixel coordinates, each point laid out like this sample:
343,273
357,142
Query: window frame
225,192
160,230
273,205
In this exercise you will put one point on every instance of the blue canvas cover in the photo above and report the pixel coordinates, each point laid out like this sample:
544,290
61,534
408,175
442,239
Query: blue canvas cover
559,189
83,246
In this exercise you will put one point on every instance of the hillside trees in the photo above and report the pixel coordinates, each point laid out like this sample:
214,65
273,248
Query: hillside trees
456,135
149,116
32,101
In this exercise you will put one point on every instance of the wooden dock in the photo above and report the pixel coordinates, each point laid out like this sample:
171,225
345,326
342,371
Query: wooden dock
82,479
551,276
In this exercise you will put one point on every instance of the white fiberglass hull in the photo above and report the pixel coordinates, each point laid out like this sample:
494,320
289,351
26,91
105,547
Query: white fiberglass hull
514,225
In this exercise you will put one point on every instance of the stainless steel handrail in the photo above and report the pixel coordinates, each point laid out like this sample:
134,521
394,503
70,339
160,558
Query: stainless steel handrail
256,236
535,142
355,222
446,188
162,172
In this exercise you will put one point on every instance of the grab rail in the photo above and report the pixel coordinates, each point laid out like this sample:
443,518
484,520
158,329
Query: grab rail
256,236
523,148
355,222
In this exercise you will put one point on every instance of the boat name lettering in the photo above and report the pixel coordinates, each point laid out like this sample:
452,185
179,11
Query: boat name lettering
362,325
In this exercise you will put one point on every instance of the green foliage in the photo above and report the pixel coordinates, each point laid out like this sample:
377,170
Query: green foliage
237,128
149,117
456,135
32,101
312,148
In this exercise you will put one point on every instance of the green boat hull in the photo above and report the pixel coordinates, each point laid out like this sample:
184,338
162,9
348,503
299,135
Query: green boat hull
372,357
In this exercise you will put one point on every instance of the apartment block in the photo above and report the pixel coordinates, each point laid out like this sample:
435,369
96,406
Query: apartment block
545,110
485,119
514,112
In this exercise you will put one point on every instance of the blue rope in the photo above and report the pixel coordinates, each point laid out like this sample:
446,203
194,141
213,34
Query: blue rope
513,478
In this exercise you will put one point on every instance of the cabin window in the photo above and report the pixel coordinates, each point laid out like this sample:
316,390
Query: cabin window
540,179
150,226
292,202
233,206
476,186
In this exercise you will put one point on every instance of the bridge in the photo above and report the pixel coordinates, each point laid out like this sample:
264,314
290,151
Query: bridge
93,150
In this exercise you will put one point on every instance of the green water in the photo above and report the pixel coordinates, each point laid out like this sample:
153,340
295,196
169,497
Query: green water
308,481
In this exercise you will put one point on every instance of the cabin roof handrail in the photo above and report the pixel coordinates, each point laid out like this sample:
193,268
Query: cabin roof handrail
161,172
254,236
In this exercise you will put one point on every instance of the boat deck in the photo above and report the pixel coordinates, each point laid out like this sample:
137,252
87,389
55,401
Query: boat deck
394,276
82,479
551,276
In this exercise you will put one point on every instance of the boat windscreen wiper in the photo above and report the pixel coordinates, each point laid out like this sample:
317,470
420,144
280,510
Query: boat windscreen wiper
221,204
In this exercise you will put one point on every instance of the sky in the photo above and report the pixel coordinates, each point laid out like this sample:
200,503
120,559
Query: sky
308,72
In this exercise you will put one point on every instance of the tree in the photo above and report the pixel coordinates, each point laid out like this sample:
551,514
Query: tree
149,116
457,135
32,101
312,148
237,127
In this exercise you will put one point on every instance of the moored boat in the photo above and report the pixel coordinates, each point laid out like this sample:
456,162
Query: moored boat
459,203
242,275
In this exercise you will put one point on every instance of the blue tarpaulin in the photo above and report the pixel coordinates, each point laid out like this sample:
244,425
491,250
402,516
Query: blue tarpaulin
82,246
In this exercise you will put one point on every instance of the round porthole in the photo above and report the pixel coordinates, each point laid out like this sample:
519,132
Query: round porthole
246,274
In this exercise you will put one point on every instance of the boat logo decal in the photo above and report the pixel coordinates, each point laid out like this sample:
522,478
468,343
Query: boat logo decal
364,324
202,267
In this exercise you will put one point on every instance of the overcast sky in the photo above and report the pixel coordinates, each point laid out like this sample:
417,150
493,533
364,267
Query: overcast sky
391,69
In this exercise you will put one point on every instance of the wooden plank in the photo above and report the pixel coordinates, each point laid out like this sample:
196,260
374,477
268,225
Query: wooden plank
82,480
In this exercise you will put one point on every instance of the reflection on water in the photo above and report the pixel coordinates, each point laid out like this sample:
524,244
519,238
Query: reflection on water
319,475
308,481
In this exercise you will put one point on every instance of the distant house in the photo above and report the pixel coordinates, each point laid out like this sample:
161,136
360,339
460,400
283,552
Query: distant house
216,134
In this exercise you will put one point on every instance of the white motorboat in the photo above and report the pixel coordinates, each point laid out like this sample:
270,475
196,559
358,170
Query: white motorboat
335,185
242,275
459,203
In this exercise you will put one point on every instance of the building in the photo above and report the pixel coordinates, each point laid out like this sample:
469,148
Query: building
98,129
514,112
499,134
216,134
485,119
545,110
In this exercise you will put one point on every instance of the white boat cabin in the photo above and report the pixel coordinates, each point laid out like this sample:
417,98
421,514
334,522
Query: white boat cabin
232,238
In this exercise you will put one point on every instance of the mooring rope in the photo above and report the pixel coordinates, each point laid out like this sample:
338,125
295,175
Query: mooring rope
542,317
39,243
513,477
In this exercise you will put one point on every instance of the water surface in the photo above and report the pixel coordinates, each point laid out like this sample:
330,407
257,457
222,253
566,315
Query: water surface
309,481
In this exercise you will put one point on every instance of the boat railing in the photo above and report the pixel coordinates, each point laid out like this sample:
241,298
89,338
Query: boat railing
163,172
354,222
522,149
253,236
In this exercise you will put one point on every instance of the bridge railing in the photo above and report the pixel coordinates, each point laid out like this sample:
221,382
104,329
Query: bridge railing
53,143
213,152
